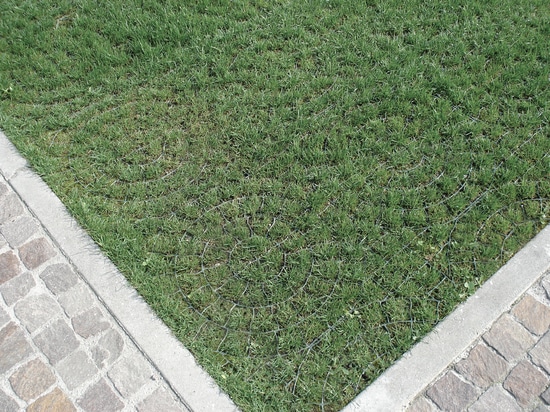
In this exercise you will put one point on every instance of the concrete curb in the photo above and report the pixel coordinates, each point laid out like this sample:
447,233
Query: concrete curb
401,383
195,387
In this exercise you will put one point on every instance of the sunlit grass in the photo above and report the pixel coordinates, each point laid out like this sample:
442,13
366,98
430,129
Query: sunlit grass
300,190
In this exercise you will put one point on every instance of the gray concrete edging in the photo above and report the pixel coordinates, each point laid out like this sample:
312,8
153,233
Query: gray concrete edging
403,381
178,366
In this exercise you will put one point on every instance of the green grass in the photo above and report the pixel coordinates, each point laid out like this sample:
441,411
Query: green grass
300,189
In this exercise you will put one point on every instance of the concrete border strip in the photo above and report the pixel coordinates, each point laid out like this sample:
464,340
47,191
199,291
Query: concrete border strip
403,381
196,388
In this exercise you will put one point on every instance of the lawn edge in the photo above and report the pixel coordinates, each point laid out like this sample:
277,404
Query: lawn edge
399,385
175,363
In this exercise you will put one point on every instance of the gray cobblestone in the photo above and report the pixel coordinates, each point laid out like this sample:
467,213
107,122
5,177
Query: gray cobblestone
533,314
10,208
526,383
542,408
17,288
9,266
482,366
32,380
35,311
19,231
100,398
540,354
4,317
546,396
451,393
3,188
36,252
76,369
7,404
509,338
90,323
76,300
59,278
108,348
57,341
160,400
13,346
56,401
130,374
493,397
421,404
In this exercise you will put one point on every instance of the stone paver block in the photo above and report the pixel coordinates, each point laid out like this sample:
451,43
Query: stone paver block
17,288
3,189
421,404
108,349
4,317
36,252
482,366
540,354
526,383
57,341
2,241
19,231
10,208
7,404
451,393
509,338
534,315
32,380
56,401
76,369
13,346
130,374
35,311
9,266
542,408
100,398
495,397
546,396
160,400
90,323
76,299
59,278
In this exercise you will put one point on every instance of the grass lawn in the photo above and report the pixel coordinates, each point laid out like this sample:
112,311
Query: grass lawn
300,189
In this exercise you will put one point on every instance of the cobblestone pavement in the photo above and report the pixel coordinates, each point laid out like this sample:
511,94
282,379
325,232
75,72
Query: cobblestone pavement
60,349
507,369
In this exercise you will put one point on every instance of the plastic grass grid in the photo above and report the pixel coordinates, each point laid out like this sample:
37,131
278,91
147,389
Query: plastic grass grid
301,190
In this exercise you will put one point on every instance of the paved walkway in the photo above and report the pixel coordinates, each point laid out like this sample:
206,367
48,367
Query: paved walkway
60,347
75,336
